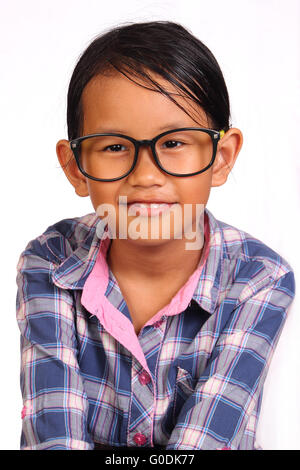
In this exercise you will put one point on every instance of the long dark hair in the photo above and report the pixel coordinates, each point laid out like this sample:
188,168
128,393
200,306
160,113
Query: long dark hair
162,47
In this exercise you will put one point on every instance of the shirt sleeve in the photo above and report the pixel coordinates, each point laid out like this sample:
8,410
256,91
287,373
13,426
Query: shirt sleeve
216,413
55,406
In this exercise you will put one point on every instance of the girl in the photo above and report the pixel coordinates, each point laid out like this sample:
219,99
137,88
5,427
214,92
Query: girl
147,323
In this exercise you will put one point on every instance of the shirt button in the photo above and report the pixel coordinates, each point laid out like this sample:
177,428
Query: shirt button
144,378
157,323
140,439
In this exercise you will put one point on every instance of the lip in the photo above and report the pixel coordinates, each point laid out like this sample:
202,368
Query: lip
149,200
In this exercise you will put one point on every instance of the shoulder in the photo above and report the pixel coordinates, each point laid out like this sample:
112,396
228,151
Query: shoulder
61,239
247,249
247,265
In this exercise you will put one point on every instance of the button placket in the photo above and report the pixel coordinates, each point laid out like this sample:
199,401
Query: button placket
141,409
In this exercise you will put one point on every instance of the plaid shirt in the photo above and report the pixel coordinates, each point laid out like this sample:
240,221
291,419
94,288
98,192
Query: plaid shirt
191,379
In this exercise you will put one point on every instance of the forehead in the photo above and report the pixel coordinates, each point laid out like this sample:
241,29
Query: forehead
112,100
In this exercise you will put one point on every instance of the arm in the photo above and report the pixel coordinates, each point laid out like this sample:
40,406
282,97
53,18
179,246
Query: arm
55,404
216,414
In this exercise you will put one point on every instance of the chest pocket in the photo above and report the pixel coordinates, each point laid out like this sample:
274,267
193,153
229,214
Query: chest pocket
184,387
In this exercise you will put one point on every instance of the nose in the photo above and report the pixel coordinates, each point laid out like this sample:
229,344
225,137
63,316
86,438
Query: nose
146,172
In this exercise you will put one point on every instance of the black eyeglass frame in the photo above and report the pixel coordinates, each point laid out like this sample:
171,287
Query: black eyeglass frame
215,136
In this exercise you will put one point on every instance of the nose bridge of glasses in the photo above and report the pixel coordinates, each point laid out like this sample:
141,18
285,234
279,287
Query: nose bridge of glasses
144,143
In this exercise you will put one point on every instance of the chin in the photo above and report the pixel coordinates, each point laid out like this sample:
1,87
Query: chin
150,242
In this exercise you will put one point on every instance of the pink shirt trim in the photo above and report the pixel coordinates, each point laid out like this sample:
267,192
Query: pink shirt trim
118,325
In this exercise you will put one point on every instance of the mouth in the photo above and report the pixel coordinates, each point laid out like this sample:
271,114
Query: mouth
149,208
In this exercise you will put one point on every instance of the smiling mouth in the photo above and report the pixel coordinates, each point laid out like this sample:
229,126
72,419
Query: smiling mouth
149,209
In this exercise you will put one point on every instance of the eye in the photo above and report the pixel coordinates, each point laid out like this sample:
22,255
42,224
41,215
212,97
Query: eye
171,144
115,148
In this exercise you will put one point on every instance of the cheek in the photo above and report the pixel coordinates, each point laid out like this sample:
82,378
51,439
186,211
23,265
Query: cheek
196,190
103,193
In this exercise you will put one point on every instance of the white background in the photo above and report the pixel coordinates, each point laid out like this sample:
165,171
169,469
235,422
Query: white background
257,44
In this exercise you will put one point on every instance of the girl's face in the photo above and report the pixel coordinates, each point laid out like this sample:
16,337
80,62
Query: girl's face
114,103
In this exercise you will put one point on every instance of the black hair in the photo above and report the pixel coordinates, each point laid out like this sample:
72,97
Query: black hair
162,47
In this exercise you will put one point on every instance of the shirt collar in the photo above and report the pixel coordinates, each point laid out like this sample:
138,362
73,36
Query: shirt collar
75,269
209,288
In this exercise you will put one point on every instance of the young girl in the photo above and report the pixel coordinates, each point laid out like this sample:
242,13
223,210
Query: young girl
147,323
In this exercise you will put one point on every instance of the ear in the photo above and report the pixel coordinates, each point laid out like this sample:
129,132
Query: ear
228,149
68,163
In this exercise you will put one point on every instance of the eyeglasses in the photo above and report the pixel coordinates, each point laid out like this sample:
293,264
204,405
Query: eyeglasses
179,152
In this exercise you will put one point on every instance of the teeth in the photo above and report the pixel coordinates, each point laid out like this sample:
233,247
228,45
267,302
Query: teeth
154,205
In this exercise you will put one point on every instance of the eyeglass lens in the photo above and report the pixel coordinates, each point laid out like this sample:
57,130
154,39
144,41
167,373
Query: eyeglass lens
180,152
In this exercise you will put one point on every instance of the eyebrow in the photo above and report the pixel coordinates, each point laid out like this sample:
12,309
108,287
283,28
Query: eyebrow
173,125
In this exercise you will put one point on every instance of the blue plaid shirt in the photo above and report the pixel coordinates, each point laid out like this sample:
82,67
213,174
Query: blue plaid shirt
189,380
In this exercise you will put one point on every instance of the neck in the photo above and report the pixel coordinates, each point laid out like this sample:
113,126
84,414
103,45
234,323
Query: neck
156,262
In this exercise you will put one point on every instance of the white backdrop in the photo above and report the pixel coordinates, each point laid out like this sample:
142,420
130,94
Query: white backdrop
257,44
